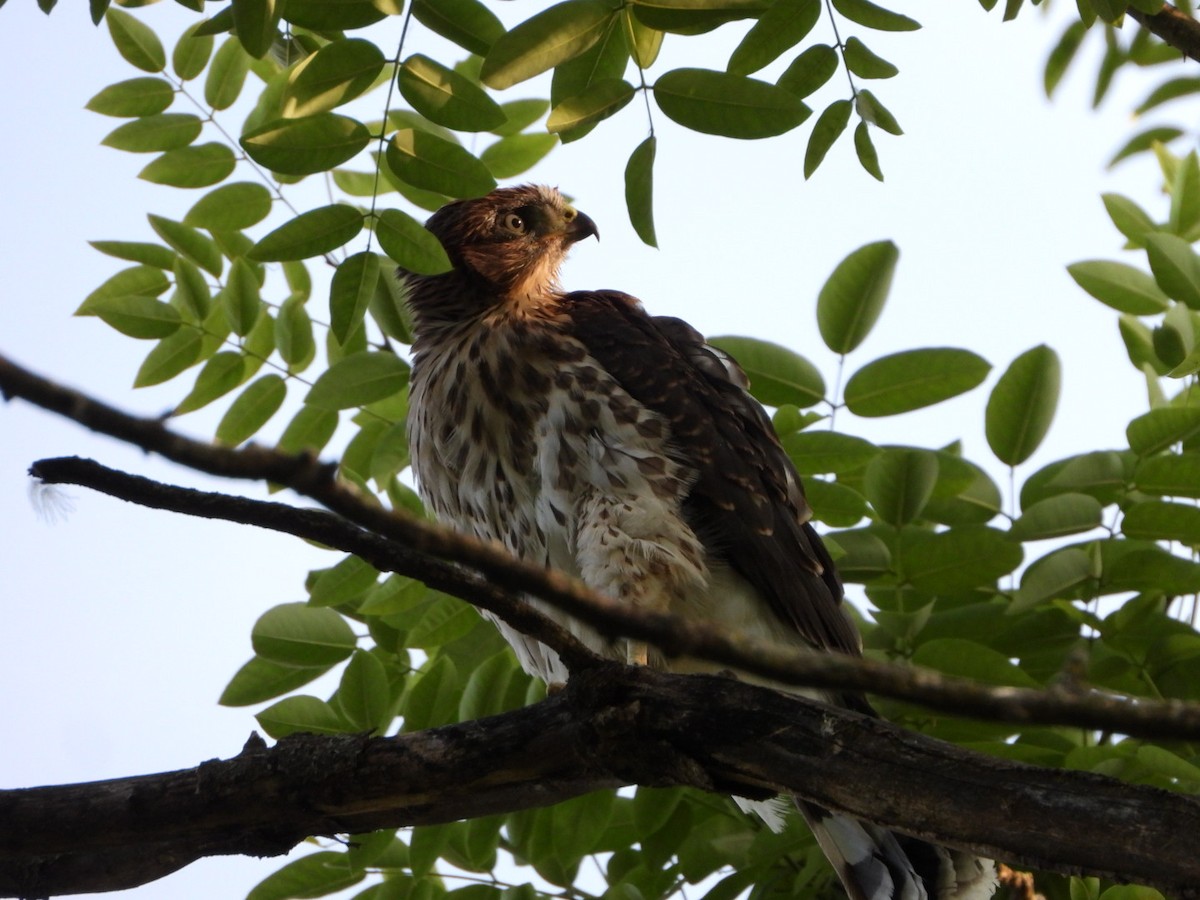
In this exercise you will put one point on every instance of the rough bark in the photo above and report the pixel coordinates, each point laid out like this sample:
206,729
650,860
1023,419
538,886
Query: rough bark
613,725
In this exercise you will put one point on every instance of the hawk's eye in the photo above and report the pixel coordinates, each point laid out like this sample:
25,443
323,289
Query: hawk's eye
514,223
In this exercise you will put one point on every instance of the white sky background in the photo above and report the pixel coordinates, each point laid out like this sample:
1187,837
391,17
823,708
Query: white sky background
120,626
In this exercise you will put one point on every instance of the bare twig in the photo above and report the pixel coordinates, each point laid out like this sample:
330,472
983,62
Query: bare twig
958,696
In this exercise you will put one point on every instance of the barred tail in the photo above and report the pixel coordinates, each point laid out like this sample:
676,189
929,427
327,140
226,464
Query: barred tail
876,864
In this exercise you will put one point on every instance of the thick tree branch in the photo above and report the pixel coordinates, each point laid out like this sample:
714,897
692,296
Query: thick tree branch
1174,27
612,725
959,696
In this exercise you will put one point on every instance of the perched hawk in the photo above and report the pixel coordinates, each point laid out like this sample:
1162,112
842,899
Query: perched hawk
584,434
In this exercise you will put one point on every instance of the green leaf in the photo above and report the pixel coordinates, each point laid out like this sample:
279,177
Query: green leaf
432,697
313,233
777,375
1185,199
1122,287
1022,405
136,41
294,335
191,167
261,679
310,429
154,133
487,688
240,299
968,659
1159,429
250,411
296,634
146,281
135,97
781,27
871,111
446,97
1100,474
350,293
643,41
913,379
170,357
1159,520
519,115
191,290
441,621
511,156
299,715
899,482
467,23
865,64
147,254
543,41
189,242
138,316
852,298
1129,218
1061,55
255,22
306,145
639,190
808,71
359,379
231,207
363,696
864,556
728,105
226,74
600,100
1057,575
432,163
828,452
1144,141
964,558
1058,516
1175,266
834,503
335,74
865,149
866,13
220,375
828,128
1169,90
323,15
191,53
410,244
1174,767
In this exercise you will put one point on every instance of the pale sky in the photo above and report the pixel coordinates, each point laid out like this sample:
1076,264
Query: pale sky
122,625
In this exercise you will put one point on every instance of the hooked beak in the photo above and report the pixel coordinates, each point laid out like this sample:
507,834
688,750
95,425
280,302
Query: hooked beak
580,227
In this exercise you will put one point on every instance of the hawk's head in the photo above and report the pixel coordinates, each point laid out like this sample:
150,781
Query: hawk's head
513,240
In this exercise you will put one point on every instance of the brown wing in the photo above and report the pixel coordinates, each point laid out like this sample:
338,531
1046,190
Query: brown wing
746,505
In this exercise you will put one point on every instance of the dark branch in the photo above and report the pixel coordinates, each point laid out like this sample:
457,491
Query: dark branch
959,696
613,725
1175,27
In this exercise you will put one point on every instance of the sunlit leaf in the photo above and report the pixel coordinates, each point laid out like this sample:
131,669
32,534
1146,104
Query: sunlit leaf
335,74
434,164
517,153
544,40
602,99
255,22
468,23
306,145
446,97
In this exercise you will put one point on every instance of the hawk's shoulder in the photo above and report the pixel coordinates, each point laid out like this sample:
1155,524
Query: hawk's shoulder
746,504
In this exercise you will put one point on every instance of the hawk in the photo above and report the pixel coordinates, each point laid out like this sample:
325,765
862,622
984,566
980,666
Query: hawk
588,436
